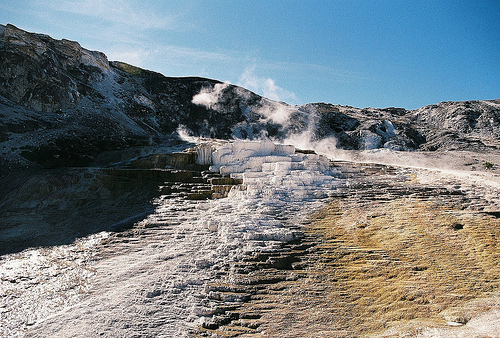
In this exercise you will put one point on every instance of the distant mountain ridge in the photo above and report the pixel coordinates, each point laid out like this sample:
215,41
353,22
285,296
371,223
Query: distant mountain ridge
62,105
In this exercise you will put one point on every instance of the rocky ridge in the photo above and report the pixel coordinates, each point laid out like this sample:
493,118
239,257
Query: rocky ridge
63,105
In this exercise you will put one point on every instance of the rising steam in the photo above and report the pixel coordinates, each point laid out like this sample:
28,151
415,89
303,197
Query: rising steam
209,97
265,86
298,127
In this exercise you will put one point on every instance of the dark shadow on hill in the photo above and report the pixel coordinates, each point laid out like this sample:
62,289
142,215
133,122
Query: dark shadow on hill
54,207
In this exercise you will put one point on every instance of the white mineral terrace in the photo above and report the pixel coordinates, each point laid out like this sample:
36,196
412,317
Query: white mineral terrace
157,282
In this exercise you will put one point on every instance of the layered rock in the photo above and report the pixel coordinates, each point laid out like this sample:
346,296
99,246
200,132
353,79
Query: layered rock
393,244
468,125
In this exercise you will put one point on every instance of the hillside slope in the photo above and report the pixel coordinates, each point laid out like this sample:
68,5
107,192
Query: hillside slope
63,105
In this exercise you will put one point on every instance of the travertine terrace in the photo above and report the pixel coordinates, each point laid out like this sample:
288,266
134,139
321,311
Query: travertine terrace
136,204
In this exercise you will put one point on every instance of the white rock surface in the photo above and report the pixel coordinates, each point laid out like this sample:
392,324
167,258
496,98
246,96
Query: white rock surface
156,283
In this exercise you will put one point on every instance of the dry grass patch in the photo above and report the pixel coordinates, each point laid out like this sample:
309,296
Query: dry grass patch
403,263
389,258
405,259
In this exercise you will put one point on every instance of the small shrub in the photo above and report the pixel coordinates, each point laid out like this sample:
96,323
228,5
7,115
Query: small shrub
488,165
127,68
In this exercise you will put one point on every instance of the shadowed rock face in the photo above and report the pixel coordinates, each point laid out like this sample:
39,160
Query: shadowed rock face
61,105
56,206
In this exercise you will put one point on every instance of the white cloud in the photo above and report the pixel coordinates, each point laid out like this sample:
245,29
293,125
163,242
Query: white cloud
171,59
264,86
301,68
134,56
123,12
183,53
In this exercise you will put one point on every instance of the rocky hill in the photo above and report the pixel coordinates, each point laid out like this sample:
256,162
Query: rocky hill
63,105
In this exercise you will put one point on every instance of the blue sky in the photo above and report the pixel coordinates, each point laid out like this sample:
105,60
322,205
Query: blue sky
363,53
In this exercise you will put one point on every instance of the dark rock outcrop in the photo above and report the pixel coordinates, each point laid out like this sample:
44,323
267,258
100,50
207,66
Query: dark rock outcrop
459,125
61,105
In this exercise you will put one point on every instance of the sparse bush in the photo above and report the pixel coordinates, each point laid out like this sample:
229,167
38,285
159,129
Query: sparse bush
127,68
488,165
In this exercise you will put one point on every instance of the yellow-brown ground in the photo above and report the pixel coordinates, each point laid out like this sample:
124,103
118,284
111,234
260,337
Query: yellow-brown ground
379,262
